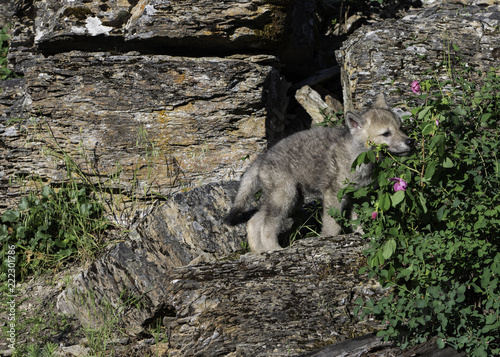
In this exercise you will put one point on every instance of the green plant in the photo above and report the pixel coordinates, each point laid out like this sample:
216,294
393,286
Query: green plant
331,120
306,222
432,219
107,318
50,227
49,350
5,72
160,336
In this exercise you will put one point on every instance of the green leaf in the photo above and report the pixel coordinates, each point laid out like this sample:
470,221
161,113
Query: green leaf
491,327
430,170
486,278
440,213
380,257
460,111
490,319
24,204
397,197
440,343
429,128
4,233
480,223
490,212
448,163
423,201
374,262
363,158
486,117
444,321
46,191
389,248
461,293
421,303
85,209
372,157
480,352
434,291
423,113
437,143
41,236
384,202
10,216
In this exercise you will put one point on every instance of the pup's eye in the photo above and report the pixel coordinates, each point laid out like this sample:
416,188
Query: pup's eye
386,134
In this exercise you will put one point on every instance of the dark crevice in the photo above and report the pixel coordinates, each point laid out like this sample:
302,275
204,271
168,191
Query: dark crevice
189,47
160,312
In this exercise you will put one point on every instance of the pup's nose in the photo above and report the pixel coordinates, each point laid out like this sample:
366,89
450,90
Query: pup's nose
410,142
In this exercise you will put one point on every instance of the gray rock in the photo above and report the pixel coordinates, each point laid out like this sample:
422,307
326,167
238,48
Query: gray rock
75,350
388,56
193,119
370,345
187,227
120,116
14,101
6,10
258,305
282,303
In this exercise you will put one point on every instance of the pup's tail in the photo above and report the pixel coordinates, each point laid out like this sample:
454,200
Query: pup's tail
249,185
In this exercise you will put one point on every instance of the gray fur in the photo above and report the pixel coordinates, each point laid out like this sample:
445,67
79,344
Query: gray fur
313,161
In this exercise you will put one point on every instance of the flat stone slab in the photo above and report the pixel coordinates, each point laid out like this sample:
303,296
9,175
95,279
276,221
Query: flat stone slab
205,25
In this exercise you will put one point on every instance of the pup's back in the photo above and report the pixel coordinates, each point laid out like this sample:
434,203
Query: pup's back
310,157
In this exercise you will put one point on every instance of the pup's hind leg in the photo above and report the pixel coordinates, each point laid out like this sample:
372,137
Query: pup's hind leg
263,228
270,231
254,232
263,232
279,204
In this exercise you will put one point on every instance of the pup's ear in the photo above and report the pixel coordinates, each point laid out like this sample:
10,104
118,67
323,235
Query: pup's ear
381,102
354,121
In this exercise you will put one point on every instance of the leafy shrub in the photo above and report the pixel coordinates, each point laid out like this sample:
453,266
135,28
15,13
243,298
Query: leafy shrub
50,228
437,244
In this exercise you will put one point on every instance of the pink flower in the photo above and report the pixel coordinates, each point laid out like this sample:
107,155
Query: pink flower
399,184
374,215
415,87
437,122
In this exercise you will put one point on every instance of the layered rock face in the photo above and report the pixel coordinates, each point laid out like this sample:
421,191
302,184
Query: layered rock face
197,116
123,87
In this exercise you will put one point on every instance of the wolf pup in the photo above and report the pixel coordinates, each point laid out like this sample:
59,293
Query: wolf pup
316,161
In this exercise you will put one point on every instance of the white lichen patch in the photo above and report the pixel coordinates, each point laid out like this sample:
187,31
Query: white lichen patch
78,30
95,27
39,35
149,10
